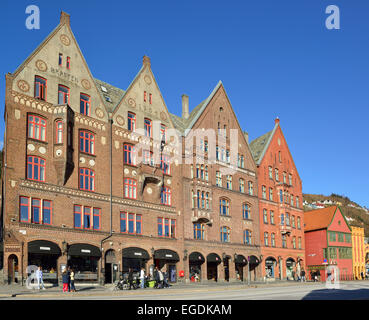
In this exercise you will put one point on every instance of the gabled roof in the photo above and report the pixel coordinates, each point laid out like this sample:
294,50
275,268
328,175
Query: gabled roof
319,219
259,146
114,93
186,124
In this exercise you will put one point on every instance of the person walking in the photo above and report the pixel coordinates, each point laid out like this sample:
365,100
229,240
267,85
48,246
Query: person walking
40,281
142,278
130,278
68,272
72,287
161,279
166,278
303,279
65,280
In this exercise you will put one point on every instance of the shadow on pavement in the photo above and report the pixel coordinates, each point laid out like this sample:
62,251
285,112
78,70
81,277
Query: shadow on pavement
337,294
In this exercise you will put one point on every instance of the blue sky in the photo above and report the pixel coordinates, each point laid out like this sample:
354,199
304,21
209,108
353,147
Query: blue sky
275,58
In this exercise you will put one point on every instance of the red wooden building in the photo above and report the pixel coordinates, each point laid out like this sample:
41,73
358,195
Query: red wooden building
327,242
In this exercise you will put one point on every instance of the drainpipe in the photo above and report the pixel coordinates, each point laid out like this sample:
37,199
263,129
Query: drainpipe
111,192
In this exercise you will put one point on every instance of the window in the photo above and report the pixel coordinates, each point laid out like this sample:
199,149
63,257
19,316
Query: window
242,185
86,142
148,157
265,216
46,212
266,239
263,192
348,238
284,241
207,201
96,218
68,62
272,240
270,172
291,199
198,231
206,173
217,153
241,161
299,242
63,94
290,179
36,127
228,156
163,130
86,179
279,156
59,131
247,237
35,210
77,216
245,211
271,217
85,104
224,207
271,194
35,168
224,234
130,188
297,202
251,188
87,222
148,127
129,154
287,219
229,182
145,96
276,175
60,61
294,242
166,196
193,199
198,199
150,98
40,88
341,237
218,180
282,219
166,227
280,196
284,177
332,236
131,121
293,222
298,223
130,223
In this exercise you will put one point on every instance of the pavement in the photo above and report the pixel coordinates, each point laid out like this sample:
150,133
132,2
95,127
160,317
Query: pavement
87,291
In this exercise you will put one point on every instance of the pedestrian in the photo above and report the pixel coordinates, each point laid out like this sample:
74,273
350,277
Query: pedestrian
161,279
65,280
142,278
362,275
40,281
166,278
72,287
68,272
157,278
303,279
293,275
130,278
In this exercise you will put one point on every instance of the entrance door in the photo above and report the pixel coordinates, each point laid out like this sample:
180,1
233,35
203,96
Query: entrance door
108,273
109,261
12,268
212,268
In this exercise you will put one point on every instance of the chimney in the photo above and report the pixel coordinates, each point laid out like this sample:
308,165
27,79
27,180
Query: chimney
185,107
64,18
276,120
146,61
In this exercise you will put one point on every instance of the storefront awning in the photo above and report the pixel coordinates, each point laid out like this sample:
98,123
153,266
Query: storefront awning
165,254
240,259
254,260
196,257
84,249
43,247
213,257
135,253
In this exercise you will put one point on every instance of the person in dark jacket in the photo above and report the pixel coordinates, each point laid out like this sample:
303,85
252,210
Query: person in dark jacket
130,278
157,278
65,280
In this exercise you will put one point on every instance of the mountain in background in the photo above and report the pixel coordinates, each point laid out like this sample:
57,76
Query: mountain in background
356,215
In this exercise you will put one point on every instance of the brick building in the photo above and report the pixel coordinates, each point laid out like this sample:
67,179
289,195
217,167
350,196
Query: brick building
328,242
280,206
96,178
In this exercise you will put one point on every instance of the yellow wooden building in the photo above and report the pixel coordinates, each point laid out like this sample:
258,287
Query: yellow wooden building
358,252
